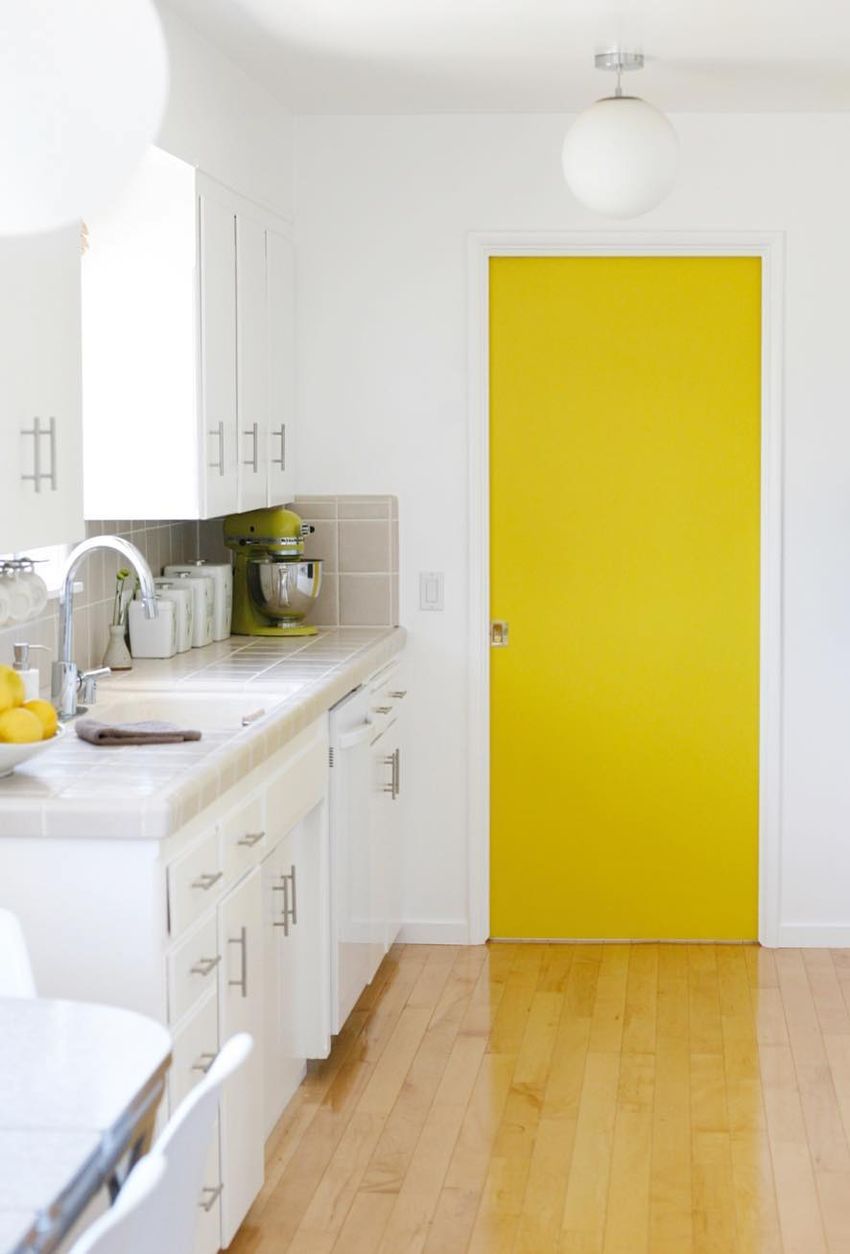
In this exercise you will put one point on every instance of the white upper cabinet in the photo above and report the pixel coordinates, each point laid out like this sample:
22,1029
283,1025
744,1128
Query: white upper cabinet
40,471
280,263
253,341
182,344
219,472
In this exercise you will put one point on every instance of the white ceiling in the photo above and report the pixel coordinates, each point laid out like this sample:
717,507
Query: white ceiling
489,56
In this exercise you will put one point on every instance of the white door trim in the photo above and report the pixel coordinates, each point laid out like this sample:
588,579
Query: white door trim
770,246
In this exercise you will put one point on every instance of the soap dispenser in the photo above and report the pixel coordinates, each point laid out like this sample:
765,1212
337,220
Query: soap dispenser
29,674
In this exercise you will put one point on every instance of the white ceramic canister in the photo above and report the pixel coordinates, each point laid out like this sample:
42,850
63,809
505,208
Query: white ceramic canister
184,600
221,574
153,637
203,592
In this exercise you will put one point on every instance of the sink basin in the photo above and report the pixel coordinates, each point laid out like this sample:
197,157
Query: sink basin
202,711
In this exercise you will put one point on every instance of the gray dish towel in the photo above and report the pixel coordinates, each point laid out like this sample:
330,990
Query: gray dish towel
111,735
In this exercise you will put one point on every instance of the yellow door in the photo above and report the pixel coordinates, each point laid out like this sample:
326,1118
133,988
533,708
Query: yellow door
625,449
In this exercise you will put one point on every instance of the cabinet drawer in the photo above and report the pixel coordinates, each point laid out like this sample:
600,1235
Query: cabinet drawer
192,969
208,1224
386,695
243,839
194,1051
295,790
195,881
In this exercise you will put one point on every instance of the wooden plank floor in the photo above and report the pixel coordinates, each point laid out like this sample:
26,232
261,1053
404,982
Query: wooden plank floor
586,1099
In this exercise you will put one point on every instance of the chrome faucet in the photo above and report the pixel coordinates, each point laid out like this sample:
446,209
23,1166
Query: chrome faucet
66,678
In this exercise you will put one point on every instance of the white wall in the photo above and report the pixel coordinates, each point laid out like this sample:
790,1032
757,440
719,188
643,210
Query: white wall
219,119
384,208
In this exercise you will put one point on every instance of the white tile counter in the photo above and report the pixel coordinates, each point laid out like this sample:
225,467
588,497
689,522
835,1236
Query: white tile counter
78,790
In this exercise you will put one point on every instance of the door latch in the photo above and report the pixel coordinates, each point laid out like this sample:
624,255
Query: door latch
499,633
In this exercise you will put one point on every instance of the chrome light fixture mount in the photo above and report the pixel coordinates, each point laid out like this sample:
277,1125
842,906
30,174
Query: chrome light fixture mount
620,155
618,62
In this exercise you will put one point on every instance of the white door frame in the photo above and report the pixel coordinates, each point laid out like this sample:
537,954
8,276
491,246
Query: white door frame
770,247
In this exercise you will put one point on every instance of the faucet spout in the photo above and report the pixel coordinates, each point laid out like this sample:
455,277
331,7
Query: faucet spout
66,677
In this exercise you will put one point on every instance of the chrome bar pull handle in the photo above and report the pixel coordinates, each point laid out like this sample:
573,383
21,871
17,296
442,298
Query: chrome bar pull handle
205,1061
207,880
51,441
390,787
219,465
283,887
398,696
293,905
281,434
397,774
250,839
205,965
212,1195
242,941
37,431
254,460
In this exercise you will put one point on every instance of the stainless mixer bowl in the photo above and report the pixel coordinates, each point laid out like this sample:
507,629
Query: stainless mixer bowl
283,589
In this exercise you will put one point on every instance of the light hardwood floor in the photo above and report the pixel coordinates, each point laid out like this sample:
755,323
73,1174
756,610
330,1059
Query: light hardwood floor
590,1099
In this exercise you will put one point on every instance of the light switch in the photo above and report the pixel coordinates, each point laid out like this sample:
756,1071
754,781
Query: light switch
431,589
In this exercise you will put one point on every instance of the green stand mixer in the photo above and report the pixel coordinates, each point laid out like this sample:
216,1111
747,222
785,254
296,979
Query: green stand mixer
274,585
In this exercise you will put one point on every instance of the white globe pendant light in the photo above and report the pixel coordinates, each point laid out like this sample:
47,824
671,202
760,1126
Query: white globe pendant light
83,85
620,155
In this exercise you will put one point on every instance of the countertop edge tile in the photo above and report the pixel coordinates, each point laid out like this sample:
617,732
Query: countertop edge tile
83,796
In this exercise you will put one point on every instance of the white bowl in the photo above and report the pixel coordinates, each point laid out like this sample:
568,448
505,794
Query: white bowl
13,755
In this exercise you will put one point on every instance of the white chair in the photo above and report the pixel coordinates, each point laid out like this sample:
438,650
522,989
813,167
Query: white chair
126,1226
164,1213
16,978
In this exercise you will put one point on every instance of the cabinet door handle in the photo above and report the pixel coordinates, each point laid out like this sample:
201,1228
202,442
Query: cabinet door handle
37,431
204,1062
250,839
207,880
283,887
397,774
398,696
242,941
390,787
383,709
281,434
204,965
219,465
254,460
212,1196
293,907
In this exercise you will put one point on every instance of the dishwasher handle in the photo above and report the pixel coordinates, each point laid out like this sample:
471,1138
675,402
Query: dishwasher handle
359,736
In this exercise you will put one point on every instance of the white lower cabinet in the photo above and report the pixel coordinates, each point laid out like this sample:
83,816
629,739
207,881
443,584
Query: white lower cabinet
241,921
366,806
297,921
240,1009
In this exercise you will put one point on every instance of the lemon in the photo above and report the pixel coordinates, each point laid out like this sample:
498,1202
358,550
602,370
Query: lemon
11,688
46,714
20,727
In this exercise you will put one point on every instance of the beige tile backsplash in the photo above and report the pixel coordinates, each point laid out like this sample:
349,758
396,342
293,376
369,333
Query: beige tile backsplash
161,542
356,536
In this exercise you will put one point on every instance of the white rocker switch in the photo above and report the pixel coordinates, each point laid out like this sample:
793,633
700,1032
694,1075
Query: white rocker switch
431,590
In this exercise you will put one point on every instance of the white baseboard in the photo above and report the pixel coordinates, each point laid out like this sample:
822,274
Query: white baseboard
434,932
813,936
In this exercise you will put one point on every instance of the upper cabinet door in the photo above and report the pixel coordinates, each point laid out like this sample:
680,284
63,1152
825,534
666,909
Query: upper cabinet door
281,365
219,444
252,355
40,472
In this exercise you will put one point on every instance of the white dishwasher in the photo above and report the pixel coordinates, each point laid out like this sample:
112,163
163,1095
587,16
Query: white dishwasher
353,895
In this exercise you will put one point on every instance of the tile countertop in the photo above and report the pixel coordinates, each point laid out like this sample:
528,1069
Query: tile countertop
147,793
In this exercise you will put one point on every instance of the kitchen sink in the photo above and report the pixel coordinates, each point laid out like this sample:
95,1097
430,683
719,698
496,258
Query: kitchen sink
201,711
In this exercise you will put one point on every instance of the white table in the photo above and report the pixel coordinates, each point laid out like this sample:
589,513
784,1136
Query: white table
79,1089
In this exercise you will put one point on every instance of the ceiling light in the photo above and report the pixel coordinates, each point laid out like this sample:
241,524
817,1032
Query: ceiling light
82,90
620,155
